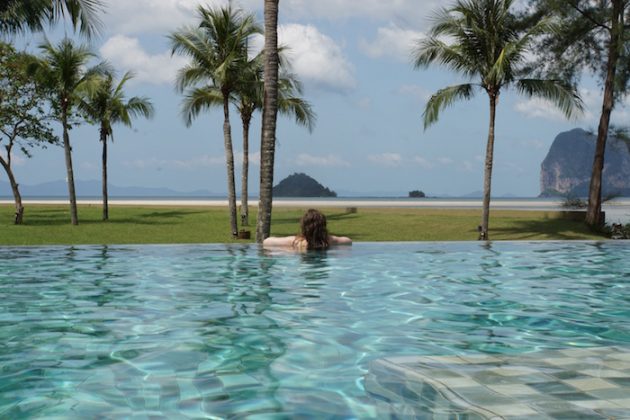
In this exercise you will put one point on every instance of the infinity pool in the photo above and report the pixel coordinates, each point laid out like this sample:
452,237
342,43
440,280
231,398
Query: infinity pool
232,331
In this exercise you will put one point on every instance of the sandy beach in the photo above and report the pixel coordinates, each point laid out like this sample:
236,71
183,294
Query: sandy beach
617,211
464,203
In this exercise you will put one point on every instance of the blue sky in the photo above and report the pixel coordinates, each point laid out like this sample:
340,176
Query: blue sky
353,57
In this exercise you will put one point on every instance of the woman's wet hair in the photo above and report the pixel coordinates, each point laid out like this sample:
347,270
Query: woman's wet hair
313,229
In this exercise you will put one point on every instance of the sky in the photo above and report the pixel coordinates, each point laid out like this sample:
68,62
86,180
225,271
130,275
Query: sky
353,57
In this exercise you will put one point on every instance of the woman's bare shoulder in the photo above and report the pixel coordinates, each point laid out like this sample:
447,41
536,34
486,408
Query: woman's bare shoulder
339,240
286,241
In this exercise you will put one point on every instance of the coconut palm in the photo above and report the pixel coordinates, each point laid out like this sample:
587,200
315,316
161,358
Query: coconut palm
105,104
21,15
483,43
217,49
62,70
250,99
269,118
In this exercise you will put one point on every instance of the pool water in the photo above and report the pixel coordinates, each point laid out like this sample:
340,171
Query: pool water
219,331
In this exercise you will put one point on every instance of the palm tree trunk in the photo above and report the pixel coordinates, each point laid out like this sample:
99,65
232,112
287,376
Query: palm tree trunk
17,197
74,218
245,174
105,195
487,176
594,211
229,157
270,113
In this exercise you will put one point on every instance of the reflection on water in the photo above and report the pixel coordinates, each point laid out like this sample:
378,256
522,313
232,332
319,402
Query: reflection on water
198,331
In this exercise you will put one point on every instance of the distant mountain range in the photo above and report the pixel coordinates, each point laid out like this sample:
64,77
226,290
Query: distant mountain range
93,189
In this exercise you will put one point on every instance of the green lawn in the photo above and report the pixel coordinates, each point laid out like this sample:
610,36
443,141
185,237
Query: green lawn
50,224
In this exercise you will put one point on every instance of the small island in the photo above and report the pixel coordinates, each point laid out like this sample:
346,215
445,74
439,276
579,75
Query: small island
301,185
416,194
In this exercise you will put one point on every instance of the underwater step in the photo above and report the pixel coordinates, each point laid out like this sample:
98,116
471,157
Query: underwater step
592,382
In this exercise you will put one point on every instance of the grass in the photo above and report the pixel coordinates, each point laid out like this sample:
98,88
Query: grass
50,224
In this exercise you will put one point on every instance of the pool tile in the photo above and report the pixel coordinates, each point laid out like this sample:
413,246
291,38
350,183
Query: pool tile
601,373
579,352
552,387
590,384
621,356
623,403
461,382
513,371
481,359
575,415
513,390
616,364
625,382
449,360
563,361
595,404
568,374
238,380
610,393
512,410
553,384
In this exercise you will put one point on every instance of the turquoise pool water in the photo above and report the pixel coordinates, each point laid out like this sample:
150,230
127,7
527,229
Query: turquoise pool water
229,331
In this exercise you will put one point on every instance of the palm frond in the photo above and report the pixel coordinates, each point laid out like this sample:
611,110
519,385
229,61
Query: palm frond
301,111
444,98
561,94
199,99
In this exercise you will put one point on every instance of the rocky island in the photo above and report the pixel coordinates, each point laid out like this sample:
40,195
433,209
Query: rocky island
567,168
301,185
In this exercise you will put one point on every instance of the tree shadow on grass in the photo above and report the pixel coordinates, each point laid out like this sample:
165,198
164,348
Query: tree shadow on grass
58,217
330,216
171,214
554,228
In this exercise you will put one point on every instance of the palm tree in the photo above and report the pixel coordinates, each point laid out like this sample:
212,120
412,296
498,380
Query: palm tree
269,118
486,45
62,71
217,49
105,104
21,15
250,99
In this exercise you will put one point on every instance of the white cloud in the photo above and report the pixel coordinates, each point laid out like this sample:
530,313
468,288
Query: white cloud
410,11
304,159
89,166
196,162
314,57
434,163
254,158
422,162
415,91
467,166
533,144
136,16
127,53
391,41
541,108
364,103
386,159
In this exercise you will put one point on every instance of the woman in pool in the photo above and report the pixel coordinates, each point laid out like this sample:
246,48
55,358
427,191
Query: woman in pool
313,234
